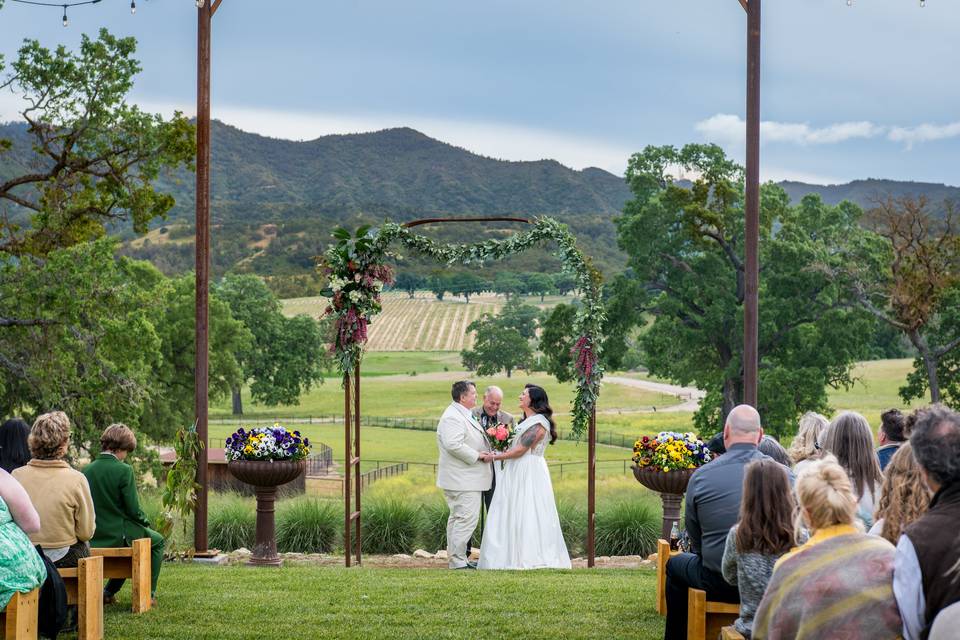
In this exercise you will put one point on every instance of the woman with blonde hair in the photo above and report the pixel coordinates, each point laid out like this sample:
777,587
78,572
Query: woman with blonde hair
904,496
850,439
805,445
839,584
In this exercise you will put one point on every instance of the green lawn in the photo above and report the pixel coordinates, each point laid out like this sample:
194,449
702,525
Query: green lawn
314,602
414,397
387,363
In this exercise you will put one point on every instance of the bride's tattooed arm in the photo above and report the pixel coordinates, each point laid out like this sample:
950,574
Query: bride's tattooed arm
527,439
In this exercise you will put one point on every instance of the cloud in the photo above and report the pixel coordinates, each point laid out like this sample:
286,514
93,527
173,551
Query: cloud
729,129
924,133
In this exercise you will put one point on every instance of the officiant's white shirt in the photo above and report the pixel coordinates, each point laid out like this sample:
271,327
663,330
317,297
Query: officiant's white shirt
460,439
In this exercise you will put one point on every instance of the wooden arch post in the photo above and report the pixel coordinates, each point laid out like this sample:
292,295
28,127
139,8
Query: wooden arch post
352,541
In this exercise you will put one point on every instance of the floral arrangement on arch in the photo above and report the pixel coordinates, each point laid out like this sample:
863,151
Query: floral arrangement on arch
267,443
356,271
356,277
670,451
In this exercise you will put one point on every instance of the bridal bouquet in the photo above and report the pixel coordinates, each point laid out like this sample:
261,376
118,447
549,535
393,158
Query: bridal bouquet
670,451
267,443
500,438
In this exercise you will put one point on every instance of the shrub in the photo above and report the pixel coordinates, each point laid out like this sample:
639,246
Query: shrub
232,523
389,525
573,523
308,525
627,528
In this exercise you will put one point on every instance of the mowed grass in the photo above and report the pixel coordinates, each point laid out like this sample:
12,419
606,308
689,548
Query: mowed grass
312,602
876,390
427,397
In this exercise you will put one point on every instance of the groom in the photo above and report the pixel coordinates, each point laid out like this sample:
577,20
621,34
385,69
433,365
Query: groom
463,471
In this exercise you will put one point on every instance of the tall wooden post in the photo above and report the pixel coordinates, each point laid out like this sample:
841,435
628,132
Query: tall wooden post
356,459
591,487
202,268
346,468
752,208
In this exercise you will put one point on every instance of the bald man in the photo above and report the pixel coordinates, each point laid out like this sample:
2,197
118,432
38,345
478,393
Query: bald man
712,507
489,415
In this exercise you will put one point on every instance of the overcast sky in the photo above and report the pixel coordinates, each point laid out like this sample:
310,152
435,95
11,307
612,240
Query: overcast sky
868,90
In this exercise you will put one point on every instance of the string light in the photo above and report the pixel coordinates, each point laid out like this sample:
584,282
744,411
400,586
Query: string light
199,4
66,22
133,7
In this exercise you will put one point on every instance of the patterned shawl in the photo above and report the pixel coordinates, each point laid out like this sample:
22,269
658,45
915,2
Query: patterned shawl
841,588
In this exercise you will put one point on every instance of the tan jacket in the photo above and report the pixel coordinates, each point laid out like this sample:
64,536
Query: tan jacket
460,440
61,496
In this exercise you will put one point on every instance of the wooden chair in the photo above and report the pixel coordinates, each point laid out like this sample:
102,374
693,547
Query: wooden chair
729,633
19,620
663,555
705,618
131,562
84,585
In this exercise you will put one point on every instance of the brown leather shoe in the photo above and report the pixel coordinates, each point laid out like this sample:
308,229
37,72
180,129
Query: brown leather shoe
109,599
153,602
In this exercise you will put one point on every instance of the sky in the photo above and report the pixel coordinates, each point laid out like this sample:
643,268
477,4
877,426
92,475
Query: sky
870,90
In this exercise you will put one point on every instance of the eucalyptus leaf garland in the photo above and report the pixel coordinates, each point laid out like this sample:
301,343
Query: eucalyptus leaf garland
356,269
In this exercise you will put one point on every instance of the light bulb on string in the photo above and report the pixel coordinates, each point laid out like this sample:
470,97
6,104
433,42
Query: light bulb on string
199,4
66,22
923,3
133,7
849,3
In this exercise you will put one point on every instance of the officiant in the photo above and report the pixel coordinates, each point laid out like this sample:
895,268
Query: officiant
489,415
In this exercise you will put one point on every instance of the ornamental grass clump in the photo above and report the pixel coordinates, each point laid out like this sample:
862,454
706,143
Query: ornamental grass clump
629,528
232,523
267,443
390,525
670,451
573,524
308,525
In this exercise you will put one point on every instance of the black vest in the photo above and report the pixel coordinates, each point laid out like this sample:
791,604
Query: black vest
934,537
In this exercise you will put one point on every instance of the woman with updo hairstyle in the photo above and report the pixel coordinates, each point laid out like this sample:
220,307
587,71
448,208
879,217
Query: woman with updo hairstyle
806,444
904,496
839,584
59,492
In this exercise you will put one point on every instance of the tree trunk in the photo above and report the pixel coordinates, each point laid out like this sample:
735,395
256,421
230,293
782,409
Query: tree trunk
541,298
930,362
237,402
731,396
509,371
411,292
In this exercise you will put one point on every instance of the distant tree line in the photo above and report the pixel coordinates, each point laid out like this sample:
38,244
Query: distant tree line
469,283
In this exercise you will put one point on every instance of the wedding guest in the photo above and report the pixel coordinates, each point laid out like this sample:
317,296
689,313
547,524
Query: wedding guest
489,415
764,532
715,445
806,445
904,496
946,624
890,436
928,557
770,447
14,452
21,568
849,438
60,493
712,507
839,583
120,520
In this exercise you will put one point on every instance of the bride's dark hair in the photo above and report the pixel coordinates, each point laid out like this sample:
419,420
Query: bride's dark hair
540,404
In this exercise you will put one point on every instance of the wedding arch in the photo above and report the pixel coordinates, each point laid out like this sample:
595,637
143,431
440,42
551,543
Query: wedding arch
357,269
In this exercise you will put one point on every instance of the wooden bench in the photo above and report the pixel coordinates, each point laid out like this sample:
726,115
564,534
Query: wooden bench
729,633
132,563
705,618
84,585
19,620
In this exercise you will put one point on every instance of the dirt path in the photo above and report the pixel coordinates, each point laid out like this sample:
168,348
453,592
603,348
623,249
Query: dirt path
691,397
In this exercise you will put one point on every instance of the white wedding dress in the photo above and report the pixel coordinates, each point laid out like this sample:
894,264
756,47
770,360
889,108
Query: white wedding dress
523,528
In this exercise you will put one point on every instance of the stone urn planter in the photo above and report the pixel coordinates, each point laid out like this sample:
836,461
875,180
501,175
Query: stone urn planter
266,476
671,485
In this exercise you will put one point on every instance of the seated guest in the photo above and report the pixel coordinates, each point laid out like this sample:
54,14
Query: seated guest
712,507
890,436
925,579
903,498
839,583
60,493
770,447
21,568
806,444
946,624
764,532
849,438
715,445
14,452
120,520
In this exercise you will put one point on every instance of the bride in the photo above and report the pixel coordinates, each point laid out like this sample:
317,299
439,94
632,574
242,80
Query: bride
523,529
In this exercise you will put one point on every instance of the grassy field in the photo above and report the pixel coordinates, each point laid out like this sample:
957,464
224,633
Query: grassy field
422,323
311,602
426,396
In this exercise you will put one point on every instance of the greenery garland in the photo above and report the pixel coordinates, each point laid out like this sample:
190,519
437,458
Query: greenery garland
357,273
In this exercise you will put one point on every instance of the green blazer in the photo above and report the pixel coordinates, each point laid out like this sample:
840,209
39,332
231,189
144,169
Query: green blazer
120,520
